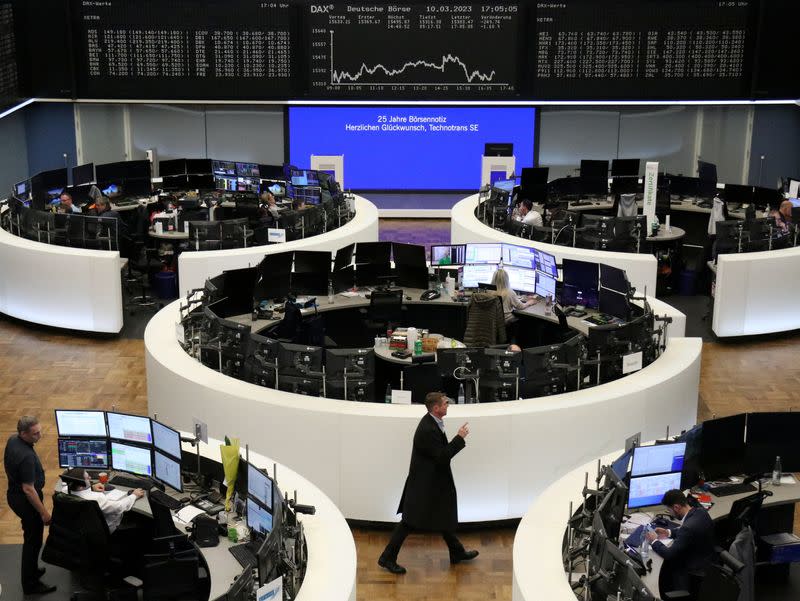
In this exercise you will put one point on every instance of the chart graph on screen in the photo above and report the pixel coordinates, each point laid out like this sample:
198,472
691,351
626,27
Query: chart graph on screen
414,48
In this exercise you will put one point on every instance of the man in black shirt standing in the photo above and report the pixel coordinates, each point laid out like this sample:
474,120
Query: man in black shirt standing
25,482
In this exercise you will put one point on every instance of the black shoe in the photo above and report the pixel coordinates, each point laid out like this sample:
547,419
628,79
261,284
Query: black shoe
39,588
464,556
40,572
391,565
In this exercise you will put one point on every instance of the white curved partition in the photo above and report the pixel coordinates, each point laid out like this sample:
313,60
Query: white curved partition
466,227
358,453
196,266
757,293
538,571
59,286
331,568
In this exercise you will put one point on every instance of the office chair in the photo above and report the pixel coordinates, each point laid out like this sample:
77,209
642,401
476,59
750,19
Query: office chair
140,269
385,310
163,525
79,541
485,321
719,584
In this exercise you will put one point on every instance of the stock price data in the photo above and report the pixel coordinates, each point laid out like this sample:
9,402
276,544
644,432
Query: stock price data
642,49
413,50
239,49
8,57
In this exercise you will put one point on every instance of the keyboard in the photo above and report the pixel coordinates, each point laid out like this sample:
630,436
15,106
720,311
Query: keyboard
243,555
732,489
131,482
167,501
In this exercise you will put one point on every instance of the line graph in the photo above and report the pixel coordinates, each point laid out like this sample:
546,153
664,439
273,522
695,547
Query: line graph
411,50
346,78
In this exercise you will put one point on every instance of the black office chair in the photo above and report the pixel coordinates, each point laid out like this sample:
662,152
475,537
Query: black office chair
140,269
79,541
385,310
485,321
163,525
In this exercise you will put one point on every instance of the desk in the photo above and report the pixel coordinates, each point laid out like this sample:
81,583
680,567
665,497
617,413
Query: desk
385,353
331,569
195,267
39,280
499,474
175,235
539,538
663,235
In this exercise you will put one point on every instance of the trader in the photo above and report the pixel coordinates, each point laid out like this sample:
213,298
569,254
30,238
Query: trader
692,549
103,208
269,204
783,216
25,482
527,214
429,496
66,205
77,480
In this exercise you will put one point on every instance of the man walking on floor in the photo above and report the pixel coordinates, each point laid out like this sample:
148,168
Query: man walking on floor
429,497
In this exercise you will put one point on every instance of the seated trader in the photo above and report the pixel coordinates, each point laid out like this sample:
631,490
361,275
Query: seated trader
103,208
692,549
269,204
78,483
527,214
299,204
66,205
508,297
783,217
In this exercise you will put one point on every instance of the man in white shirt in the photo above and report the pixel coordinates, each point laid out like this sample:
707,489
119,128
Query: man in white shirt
77,480
527,214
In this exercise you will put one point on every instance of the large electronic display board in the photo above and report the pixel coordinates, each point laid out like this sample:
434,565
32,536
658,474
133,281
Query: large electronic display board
644,49
214,49
414,49
9,84
410,147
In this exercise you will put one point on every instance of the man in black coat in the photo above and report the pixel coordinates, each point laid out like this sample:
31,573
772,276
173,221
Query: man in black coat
692,549
429,496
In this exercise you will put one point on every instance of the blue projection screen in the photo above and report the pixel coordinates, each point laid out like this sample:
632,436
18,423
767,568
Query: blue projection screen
407,147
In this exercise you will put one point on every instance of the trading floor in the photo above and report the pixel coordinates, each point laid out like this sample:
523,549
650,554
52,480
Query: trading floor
42,369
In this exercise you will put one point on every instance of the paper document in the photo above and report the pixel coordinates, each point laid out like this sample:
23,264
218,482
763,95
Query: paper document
188,513
116,494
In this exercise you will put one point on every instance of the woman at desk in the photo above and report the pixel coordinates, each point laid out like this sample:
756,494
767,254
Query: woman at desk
509,299
783,217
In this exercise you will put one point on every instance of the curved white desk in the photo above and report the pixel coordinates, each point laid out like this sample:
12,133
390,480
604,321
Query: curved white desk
757,293
196,266
358,453
331,569
466,227
59,286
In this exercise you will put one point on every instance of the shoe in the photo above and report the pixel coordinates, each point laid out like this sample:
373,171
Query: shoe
40,572
39,588
464,556
391,565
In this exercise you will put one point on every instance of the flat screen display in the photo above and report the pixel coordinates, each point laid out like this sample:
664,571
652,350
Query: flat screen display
166,440
259,519
133,428
80,423
411,147
485,254
521,279
168,471
649,490
130,458
472,275
658,459
259,486
91,453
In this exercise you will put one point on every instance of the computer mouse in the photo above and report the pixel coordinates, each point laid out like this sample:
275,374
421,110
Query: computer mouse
185,500
429,295
408,297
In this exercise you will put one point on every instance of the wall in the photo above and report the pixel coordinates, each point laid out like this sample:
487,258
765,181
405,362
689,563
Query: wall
50,131
13,151
775,132
725,141
100,133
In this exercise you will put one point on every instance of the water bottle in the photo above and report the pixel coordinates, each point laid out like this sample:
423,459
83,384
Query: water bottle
776,472
644,550
460,394
388,397
330,292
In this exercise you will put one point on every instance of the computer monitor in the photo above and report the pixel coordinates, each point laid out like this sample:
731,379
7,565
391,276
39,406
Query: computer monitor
91,453
167,470
722,447
344,257
223,168
500,362
312,272
166,440
484,254
304,177
706,171
738,194
772,434
451,254
131,458
310,195
133,428
247,170
581,274
171,167
621,464
472,275
259,519
625,167
645,491
498,149
521,279
268,554
259,486
83,174
658,459
308,386
373,253
22,189
614,303
612,507
453,362
519,256
410,256
546,263
299,359
358,389
545,285
358,363
682,186
241,589
271,171
767,197
81,423
614,278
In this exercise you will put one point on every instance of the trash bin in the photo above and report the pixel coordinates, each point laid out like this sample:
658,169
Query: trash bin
165,284
688,282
